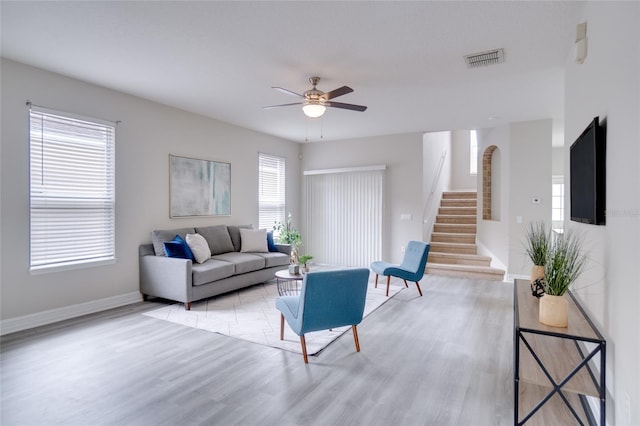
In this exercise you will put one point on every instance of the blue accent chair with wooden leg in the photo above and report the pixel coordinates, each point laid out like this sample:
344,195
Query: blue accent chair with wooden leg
328,299
411,268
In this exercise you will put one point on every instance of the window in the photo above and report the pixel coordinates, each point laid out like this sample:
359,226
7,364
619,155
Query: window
72,191
271,190
345,205
557,204
473,152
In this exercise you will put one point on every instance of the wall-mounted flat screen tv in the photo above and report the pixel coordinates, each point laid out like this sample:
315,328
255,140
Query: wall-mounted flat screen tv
587,164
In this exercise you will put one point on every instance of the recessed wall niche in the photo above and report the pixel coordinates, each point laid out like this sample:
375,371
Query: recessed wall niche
491,183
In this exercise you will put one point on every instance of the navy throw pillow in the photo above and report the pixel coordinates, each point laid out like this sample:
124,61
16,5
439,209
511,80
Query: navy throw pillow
175,249
271,246
178,248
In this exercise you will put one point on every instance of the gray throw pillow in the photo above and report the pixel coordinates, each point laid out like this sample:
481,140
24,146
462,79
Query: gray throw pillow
217,237
160,236
234,233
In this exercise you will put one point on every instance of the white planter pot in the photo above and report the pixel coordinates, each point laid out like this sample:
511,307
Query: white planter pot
554,311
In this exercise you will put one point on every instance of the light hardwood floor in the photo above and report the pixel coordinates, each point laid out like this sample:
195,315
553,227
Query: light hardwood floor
442,359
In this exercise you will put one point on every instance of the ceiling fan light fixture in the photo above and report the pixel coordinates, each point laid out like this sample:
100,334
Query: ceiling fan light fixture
313,109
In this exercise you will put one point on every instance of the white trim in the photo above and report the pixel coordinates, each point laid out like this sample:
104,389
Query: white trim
70,266
25,322
346,170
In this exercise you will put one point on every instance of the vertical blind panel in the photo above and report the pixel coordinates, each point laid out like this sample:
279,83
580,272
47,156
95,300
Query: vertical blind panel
271,190
72,190
344,217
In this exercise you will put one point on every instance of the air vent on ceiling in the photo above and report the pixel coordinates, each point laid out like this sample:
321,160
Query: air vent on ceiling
489,57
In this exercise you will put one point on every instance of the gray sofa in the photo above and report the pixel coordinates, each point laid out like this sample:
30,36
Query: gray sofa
228,269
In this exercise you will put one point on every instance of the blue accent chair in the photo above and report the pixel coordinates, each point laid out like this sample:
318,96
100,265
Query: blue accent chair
411,268
327,299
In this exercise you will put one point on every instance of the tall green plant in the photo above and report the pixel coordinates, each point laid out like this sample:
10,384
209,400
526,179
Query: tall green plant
538,242
286,233
565,262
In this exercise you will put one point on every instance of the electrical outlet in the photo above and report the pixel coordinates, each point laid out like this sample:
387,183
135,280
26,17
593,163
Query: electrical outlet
535,200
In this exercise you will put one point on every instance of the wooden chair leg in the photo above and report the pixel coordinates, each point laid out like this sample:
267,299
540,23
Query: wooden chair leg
419,291
187,306
405,283
281,327
303,343
376,281
355,337
388,282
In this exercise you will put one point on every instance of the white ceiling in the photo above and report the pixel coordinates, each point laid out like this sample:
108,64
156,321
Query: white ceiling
404,60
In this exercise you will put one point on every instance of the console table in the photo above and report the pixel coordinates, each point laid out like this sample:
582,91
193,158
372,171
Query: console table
554,367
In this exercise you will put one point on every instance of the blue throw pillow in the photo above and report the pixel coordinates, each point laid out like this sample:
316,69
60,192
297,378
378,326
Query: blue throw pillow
175,249
178,248
271,246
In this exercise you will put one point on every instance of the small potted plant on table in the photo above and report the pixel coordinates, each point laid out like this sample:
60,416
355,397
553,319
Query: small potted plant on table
303,262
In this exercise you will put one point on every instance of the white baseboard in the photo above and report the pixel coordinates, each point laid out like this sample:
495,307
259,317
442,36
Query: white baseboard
511,277
11,325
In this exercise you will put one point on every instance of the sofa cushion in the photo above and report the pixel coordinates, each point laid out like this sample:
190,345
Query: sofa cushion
274,259
199,247
160,236
211,270
234,233
244,262
217,237
253,240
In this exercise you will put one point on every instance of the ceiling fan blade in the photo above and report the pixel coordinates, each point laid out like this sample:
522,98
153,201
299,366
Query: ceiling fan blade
287,91
337,92
281,105
346,106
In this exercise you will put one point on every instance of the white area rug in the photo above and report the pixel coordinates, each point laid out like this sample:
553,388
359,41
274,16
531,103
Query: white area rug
250,314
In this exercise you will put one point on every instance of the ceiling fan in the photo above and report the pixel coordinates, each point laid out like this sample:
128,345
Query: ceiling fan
315,102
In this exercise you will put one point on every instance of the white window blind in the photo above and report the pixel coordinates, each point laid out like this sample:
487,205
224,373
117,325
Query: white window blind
271,190
344,213
72,190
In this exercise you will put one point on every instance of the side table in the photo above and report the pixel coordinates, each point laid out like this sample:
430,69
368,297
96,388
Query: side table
556,368
288,284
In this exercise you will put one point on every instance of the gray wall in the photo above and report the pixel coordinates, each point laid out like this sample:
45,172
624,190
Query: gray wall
403,156
493,235
607,85
529,177
461,179
522,172
149,132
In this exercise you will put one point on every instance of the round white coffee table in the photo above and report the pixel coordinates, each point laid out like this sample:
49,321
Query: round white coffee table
288,284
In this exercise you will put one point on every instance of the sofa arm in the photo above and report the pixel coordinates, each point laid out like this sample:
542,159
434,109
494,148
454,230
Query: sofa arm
166,277
284,248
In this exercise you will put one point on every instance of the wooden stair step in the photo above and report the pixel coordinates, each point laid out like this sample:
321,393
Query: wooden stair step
453,202
466,271
454,228
461,219
453,237
465,211
453,248
459,259
459,195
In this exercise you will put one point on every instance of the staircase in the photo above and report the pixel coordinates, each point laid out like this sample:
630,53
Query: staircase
453,240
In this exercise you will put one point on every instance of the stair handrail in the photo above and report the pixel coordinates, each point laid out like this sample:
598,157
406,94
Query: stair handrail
427,216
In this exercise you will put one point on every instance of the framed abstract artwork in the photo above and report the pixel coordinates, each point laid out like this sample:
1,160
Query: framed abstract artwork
199,187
